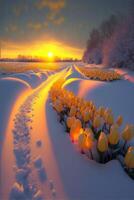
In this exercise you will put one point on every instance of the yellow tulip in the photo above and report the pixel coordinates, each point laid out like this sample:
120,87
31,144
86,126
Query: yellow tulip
89,142
97,122
114,135
70,121
129,158
86,116
75,130
102,143
119,120
88,131
101,111
78,115
72,111
128,133
58,106
85,142
109,119
81,141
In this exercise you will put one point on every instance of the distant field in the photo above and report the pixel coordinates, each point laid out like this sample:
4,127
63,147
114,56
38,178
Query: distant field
18,67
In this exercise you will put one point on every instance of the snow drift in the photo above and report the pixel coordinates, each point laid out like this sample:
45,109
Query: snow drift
10,89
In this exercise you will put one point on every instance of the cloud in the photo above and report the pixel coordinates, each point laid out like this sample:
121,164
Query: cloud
19,9
54,19
52,5
35,26
12,28
58,21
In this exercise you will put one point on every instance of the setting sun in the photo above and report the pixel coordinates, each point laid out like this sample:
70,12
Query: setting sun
50,54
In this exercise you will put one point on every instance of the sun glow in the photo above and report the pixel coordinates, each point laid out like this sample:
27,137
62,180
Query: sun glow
48,50
50,54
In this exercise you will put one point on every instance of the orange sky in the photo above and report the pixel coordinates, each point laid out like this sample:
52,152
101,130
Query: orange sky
40,48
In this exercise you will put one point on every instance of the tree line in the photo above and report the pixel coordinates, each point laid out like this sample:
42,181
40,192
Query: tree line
112,44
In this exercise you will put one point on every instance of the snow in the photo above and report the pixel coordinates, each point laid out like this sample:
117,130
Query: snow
43,162
17,191
38,162
128,75
33,79
10,89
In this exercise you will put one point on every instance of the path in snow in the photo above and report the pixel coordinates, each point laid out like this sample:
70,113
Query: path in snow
21,139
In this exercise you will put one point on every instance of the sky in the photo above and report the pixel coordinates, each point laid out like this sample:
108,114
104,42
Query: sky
60,27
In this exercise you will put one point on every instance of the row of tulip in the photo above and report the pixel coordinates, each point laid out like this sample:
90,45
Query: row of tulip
93,129
100,74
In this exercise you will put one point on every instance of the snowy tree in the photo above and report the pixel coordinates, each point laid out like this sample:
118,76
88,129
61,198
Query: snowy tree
94,53
118,51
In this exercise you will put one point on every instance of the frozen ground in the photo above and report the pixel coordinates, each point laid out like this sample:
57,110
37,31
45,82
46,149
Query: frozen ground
37,159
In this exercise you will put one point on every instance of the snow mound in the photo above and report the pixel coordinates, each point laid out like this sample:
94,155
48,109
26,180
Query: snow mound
72,85
35,80
22,76
43,76
116,95
76,73
10,89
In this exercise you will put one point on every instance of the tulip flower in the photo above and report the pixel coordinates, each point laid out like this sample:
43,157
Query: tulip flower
58,106
81,141
88,131
114,135
85,143
109,119
102,143
89,141
70,121
119,120
128,133
86,116
72,111
101,111
97,122
75,130
78,115
129,158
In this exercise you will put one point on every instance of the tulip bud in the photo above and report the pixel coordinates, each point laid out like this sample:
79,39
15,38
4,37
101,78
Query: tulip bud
75,130
109,119
114,135
58,106
81,141
72,111
101,111
86,116
78,115
97,122
119,120
129,158
128,133
102,143
88,131
89,142
70,121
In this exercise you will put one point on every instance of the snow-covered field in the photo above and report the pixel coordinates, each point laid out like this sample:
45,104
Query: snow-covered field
37,159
